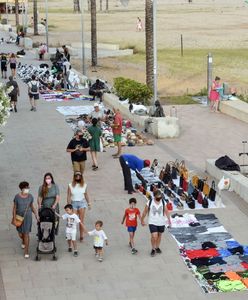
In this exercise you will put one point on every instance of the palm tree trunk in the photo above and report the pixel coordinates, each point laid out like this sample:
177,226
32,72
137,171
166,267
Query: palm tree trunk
35,12
17,13
93,34
89,5
76,6
149,43
107,5
100,5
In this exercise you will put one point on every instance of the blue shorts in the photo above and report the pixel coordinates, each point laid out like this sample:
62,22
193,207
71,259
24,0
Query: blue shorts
79,204
131,228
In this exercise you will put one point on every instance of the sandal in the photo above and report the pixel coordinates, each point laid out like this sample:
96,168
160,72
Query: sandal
95,168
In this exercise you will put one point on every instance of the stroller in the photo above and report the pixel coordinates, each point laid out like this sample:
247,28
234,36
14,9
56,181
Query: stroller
46,233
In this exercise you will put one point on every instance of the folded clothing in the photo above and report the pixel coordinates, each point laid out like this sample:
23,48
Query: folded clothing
214,276
204,261
200,217
236,250
224,253
243,274
202,253
208,245
232,275
230,286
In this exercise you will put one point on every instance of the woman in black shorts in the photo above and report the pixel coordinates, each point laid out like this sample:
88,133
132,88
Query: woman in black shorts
13,62
4,62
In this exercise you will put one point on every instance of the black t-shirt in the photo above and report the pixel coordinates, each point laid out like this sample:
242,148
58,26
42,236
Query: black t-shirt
78,155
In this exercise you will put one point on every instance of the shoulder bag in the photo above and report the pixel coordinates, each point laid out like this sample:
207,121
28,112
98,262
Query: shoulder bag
18,220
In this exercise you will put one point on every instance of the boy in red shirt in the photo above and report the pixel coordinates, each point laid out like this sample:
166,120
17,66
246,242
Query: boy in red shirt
131,215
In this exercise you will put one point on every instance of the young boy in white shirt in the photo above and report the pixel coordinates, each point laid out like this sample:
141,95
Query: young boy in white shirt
99,239
71,228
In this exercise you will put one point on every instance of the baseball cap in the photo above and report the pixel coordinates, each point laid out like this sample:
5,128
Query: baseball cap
147,163
96,105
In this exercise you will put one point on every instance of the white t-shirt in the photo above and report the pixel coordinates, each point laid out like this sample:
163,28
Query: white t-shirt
156,214
78,192
97,114
99,237
71,222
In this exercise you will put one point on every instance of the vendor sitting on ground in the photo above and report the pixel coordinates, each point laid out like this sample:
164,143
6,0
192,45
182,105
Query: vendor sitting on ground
97,89
156,111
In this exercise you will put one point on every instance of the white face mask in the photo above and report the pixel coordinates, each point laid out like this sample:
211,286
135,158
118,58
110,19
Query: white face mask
25,191
48,181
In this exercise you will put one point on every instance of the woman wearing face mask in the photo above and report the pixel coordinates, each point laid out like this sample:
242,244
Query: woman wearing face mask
48,196
23,206
77,196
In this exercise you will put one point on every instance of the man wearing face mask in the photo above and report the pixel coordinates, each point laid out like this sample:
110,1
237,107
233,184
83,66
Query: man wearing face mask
157,211
78,148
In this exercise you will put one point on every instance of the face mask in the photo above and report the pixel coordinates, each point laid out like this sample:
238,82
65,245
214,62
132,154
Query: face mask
25,191
80,137
48,181
78,180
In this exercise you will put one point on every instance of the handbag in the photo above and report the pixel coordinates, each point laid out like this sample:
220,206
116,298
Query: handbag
200,198
195,180
18,220
212,192
183,170
190,188
181,181
174,172
200,185
190,202
205,202
195,194
185,185
206,189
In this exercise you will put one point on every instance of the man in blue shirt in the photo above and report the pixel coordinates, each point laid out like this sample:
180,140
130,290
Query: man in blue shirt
130,161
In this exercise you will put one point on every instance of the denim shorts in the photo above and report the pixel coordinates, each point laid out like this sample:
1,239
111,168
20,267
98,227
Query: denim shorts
79,204
131,228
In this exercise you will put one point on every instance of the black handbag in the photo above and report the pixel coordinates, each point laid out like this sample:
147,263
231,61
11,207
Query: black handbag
181,181
190,202
205,202
212,192
200,185
195,194
174,172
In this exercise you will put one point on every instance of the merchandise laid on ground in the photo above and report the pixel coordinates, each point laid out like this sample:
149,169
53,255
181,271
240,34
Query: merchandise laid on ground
215,259
63,95
180,192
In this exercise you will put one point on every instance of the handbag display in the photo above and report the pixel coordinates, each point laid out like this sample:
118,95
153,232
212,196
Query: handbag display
200,198
212,192
205,202
195,194
190,202
206,189
185,185
200,185
195,180
174,172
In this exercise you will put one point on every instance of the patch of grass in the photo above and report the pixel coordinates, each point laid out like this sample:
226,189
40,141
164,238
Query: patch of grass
52,26
178,100
57,10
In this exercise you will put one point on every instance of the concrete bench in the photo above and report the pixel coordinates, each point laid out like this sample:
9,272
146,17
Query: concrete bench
239,183
167,127
235,108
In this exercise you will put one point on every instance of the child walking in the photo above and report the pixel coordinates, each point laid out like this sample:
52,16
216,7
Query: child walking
99,239
71,228
130,216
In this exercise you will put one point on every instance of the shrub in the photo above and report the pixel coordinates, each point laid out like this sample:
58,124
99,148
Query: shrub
132,90
4,109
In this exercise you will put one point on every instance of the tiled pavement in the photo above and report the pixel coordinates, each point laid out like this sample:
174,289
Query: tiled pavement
35,143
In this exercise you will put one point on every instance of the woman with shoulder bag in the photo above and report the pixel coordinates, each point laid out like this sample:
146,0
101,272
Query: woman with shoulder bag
22,215
77,196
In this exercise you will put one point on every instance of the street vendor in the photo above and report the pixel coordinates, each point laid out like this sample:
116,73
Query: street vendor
97,113
131,162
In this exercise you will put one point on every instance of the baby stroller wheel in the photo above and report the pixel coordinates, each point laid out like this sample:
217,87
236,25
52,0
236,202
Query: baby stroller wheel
37,258
54,258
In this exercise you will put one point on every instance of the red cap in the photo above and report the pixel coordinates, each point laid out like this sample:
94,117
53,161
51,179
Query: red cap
147,163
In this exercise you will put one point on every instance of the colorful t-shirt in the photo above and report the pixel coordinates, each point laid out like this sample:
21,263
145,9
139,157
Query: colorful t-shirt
99,237
118,121
131,216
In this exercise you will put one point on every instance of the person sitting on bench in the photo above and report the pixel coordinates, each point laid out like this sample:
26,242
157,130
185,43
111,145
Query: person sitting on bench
97,89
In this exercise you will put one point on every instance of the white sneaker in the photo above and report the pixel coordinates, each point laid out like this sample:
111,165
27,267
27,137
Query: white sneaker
22,246
26,256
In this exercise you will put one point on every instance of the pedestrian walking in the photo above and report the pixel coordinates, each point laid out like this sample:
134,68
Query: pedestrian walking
71,228
77,196
78,148
4,62
214,95
33,92
12,62
130,162
139,25
157,211
49,196
95,132
117,130
99,239
22,215
14,93
131,214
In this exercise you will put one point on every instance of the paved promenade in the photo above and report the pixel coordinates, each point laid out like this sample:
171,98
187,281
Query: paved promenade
35,143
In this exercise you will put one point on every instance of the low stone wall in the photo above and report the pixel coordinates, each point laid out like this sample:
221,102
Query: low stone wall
167,127
235,108
239,183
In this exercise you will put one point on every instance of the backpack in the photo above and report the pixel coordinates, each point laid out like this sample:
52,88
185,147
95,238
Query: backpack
150,203
34,88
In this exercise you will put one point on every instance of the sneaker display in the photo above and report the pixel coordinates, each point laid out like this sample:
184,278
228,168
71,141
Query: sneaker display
153,252
158,250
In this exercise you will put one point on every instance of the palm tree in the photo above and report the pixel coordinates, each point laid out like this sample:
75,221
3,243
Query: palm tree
107,5
93,34
17,13
76,6
149,42
35,12
100,5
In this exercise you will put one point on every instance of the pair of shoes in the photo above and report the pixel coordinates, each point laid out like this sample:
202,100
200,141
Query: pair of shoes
153,253
15,109
130,245
22,246
95,168
69,249
26,256
158,250
75,254
32,108
81,239
134,251
100,259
